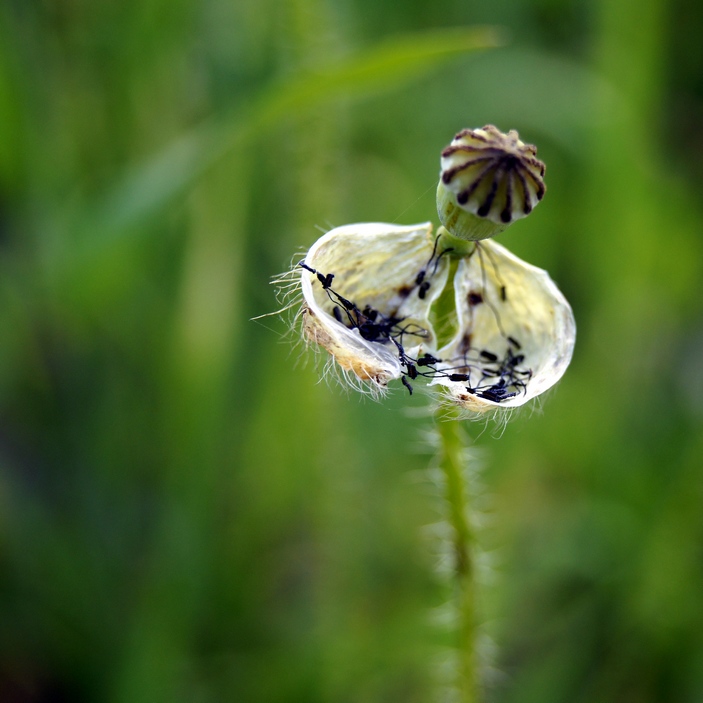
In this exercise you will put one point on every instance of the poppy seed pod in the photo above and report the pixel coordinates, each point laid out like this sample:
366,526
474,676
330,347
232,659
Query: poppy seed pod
488,179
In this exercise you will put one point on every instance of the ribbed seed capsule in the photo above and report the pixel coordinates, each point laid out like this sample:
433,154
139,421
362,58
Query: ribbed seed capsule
488,180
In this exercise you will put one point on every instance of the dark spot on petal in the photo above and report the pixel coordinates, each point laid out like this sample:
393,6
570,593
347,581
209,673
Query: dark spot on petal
404,291
465,344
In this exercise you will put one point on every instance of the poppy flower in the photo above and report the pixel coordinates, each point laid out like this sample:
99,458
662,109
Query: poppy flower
455,310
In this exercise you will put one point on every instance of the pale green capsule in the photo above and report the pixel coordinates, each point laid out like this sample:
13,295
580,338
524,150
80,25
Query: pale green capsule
488,179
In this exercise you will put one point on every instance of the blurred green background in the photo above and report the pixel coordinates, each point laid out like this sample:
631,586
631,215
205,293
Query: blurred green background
185,513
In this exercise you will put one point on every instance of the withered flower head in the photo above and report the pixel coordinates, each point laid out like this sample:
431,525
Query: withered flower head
464,315
374,296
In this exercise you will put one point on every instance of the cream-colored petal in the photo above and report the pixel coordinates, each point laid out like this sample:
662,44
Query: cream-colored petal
515,332
521,312
373,264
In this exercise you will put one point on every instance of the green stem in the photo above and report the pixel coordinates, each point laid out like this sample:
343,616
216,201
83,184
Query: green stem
460,248
452,464
443,312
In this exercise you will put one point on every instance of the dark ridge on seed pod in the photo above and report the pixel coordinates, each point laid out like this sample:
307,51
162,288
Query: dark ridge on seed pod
488,180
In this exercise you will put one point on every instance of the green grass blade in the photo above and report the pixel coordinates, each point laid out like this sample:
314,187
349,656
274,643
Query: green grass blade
383,67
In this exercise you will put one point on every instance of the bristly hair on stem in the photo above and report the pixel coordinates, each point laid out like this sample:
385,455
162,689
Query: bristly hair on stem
457,542
452,459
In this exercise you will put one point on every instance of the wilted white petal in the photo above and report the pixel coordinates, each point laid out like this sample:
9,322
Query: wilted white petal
513,311
373,298
376,265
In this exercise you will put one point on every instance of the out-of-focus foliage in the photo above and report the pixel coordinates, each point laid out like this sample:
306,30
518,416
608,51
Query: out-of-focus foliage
185,514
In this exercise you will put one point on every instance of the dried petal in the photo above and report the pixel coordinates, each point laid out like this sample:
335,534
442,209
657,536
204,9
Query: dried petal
374,265
371,295
513,311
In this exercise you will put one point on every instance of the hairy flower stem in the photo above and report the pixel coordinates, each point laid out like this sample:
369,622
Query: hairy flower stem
443,313
452,459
